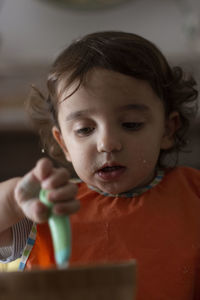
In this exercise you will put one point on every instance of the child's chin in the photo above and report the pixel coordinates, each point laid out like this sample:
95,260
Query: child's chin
112,190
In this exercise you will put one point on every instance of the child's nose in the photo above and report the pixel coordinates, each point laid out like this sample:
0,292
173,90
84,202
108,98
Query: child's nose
108,142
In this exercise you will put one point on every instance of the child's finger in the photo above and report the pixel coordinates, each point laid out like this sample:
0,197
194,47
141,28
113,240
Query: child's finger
43,169
66,208
28,187
64,193
35,210
58,178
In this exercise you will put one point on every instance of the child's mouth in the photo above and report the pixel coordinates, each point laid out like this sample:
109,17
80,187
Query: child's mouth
110,169
110,172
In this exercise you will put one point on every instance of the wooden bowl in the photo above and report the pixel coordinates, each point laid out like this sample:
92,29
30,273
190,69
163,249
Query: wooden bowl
99,282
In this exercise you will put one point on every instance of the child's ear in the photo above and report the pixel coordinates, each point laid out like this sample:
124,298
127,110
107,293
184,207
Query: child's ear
172,125
59,139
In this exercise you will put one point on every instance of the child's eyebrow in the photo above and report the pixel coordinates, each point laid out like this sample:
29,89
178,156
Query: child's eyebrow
136,106
81,113
77,114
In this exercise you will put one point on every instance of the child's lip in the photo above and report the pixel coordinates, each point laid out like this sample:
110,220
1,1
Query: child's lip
110,164
110,174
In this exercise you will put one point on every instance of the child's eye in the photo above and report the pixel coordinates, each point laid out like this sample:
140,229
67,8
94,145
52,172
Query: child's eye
84,131
132,125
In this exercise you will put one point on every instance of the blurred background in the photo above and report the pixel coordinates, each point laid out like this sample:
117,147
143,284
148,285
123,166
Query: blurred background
33,32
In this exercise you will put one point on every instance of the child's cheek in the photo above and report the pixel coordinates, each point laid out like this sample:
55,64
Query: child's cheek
148,161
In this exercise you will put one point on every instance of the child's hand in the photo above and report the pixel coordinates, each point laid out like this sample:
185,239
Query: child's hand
61,192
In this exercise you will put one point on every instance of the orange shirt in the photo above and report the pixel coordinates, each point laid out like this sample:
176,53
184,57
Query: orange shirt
159,228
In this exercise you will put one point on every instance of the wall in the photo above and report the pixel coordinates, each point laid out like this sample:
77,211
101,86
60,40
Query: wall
33,30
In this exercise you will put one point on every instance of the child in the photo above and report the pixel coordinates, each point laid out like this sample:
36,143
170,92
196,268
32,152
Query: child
116,110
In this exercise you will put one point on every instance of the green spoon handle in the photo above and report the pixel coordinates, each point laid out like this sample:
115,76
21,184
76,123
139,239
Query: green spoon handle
60,232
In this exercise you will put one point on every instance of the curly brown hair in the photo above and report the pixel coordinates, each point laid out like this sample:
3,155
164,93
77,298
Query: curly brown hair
126,53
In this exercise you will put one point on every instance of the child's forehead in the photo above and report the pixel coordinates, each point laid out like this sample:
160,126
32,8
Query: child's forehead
111,91
105,77
101,81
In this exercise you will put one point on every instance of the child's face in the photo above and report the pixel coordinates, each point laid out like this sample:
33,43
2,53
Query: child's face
112,130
